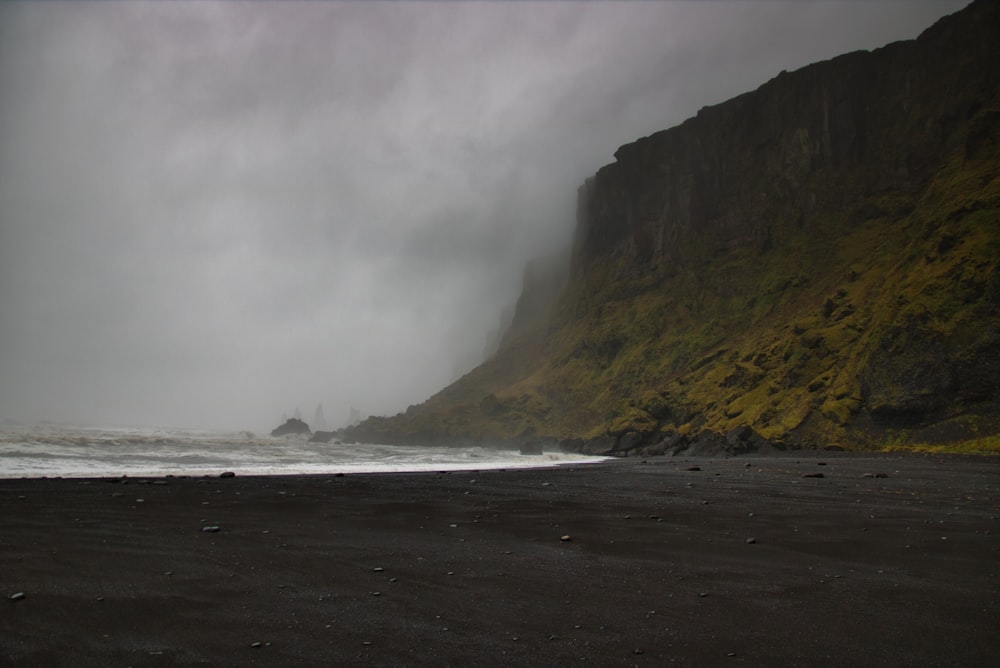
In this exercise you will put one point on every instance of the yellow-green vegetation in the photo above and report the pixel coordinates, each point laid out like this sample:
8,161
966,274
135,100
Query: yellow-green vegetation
989,445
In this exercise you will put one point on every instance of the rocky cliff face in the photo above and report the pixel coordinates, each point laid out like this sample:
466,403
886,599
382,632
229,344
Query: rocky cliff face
813,262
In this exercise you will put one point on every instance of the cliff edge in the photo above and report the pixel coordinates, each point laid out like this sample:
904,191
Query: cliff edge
813,263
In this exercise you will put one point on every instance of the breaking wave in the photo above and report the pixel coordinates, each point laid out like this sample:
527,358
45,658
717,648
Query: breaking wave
63,451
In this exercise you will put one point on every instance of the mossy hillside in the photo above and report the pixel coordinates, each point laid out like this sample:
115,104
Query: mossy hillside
780,341
815,260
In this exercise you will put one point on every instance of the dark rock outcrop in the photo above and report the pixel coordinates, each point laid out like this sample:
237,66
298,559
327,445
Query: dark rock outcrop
292,426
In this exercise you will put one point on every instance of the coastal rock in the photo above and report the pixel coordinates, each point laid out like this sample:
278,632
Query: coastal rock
292,426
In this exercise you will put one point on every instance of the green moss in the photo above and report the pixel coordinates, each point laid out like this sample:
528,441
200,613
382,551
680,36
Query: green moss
989,445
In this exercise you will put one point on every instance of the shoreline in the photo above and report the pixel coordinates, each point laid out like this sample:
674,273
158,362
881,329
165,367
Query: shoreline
743,561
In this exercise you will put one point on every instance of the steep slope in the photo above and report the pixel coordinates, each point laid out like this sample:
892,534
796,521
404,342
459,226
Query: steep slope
814,262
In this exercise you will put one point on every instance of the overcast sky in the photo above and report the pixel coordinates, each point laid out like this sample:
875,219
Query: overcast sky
211,214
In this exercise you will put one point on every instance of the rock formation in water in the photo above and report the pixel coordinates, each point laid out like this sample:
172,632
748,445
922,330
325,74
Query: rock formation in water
813,263
292,426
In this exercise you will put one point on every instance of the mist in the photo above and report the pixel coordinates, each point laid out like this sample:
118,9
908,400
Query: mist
215,213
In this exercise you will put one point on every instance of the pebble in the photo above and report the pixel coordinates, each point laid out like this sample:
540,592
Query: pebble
227,474
875,475
566,538
256,644
19,596
378,569
693,468
751,541
813,475
210,529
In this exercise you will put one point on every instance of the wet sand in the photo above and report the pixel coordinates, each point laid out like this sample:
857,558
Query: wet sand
743,562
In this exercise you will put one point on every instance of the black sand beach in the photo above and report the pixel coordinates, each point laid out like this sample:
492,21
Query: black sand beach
746,561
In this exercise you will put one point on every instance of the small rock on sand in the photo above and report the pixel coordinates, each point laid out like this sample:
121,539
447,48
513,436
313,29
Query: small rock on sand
19,596
566,538
210,529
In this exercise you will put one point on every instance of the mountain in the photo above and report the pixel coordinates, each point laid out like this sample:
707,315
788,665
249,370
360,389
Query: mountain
813,263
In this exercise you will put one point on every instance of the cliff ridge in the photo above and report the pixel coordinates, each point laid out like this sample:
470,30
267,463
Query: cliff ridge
813,263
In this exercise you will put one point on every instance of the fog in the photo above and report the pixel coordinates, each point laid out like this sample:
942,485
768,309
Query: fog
211,214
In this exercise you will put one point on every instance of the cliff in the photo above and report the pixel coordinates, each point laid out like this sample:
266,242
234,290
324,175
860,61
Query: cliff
812,263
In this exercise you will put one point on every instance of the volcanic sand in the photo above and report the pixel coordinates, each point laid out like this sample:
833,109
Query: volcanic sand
744,561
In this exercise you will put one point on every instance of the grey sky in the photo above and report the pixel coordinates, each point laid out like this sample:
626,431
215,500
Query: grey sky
213,213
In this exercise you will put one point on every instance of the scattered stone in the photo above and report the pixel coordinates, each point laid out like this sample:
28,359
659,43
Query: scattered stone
256,644
19,596
813,475
210,529
751,541
566,538
378,569
637,651
875,475
693,468
227,474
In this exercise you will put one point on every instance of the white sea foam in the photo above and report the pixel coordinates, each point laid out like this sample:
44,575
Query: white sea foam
49,450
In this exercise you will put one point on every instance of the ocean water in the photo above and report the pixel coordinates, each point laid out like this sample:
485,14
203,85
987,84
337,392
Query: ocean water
69,451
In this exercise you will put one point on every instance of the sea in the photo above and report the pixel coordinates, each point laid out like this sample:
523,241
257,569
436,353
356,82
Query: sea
59,450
